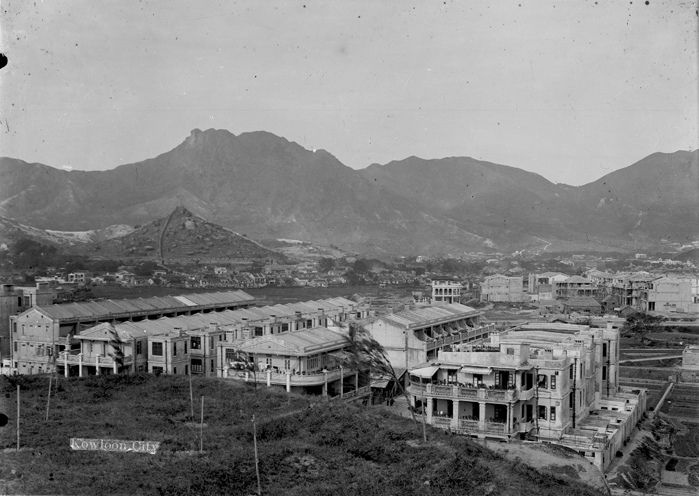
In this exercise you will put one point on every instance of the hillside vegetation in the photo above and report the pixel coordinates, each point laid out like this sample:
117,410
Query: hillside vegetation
306,446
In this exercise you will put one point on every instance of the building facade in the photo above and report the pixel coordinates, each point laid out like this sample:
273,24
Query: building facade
416,335
547,382
446,290
309,361
503,289
40,333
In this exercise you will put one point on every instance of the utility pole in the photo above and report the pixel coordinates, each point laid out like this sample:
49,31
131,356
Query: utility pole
575,374
17,417
257,464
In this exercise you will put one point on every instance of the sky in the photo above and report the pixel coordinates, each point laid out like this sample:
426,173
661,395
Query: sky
571,90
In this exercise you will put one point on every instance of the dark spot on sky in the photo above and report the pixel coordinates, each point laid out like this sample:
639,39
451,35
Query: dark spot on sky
647,2
3,60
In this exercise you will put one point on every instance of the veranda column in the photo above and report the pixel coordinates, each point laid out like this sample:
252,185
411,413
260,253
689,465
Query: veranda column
80,364
456,414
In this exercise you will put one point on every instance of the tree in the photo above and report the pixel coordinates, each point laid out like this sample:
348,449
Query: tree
242,361
367,353
326,264
640,324
117,353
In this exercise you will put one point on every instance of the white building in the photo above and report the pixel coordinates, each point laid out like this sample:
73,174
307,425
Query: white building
415,335
500,288
446,290
547,382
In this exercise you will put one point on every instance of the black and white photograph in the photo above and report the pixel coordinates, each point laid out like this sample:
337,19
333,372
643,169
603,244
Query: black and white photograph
349,247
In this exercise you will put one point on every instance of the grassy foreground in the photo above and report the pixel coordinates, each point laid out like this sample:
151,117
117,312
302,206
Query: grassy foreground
306,446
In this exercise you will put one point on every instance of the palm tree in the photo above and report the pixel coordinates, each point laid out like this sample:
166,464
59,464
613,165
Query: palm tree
367,353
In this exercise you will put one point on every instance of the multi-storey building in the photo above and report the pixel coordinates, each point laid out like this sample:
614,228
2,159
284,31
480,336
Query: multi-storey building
574,287
40,333
541,286
189,342
415,335
446,290
552,382
500,288
14,300
669,294
628,289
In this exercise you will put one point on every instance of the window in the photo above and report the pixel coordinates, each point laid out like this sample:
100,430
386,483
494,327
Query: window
174,370
287,363
211,366
571,398
604,373
15,348
309,323
510,351
285,327
211,342
541,381
185,347
138,347
570,372
174,349
197,367
259,331
196,343
157,370
552,414
156,350
186,370
553,382
604,349
542,412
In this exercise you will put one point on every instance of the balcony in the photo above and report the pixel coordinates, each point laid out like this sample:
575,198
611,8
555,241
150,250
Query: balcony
316,378
460,392
460,336
74,357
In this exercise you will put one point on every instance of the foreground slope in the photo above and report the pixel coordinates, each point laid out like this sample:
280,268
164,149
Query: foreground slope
304,449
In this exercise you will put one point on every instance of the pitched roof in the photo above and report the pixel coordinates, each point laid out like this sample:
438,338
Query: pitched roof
424,315
104,309
296,343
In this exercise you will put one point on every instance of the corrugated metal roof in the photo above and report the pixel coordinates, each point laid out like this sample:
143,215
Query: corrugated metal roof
423,315
101,309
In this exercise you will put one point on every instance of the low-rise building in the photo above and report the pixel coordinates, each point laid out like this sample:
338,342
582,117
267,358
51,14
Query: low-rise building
306,361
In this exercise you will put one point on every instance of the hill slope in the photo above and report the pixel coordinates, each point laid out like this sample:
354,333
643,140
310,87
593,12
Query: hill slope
256,183
267,187
183,236
332,448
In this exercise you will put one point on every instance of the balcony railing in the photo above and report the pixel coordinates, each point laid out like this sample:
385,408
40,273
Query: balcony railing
459,336
468,392
280,377
74,357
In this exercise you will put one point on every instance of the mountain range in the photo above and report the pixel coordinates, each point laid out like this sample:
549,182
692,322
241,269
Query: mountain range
264,186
